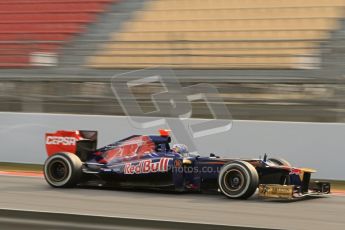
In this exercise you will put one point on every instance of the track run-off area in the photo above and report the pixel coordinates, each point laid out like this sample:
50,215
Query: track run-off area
31,192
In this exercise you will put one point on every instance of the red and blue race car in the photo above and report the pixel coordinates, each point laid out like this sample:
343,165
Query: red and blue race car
149,161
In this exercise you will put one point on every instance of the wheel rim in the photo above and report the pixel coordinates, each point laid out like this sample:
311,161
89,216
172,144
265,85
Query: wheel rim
57,170
233,180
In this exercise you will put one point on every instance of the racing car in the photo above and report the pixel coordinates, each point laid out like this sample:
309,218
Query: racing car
151,162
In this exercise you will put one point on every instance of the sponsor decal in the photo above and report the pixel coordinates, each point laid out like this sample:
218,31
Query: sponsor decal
56,140
295,171
147,166
177,163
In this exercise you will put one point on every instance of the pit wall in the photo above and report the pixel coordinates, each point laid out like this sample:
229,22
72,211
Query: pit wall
316,145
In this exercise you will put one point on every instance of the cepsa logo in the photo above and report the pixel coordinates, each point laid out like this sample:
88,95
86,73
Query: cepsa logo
56,140
147,166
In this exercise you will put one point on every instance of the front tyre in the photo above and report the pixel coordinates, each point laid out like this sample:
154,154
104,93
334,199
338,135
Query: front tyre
63,170
238,180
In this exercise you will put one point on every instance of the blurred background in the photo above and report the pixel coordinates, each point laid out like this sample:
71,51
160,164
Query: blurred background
270,59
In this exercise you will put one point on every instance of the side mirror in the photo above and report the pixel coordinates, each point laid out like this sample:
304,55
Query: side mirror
213,155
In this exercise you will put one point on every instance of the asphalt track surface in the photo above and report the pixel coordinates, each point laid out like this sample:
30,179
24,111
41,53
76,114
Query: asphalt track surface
32,193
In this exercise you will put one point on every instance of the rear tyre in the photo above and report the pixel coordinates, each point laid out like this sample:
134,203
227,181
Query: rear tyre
63,170
280,162
238,180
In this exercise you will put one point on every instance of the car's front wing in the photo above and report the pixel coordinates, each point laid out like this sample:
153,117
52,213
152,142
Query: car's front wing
278,191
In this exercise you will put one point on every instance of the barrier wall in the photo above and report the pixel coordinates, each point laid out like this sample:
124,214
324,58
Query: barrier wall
317,145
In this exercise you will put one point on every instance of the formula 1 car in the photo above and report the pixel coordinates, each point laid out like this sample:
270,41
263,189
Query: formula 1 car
148,161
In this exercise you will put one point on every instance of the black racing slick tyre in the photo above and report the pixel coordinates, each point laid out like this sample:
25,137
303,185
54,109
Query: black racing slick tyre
238,180
63,170
279,161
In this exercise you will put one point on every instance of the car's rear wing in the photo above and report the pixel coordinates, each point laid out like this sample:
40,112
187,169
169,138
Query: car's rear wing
70,141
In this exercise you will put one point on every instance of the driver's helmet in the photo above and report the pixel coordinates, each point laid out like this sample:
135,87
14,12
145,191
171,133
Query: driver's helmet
180,149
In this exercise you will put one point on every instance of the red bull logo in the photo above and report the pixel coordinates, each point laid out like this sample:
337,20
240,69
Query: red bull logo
147,166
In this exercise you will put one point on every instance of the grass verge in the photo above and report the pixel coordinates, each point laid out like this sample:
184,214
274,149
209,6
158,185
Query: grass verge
6,166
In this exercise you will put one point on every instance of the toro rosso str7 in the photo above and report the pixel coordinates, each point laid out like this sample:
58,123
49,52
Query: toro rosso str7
149,161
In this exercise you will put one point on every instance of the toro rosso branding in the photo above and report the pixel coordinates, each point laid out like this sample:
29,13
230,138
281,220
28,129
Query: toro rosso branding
56,140
147,166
